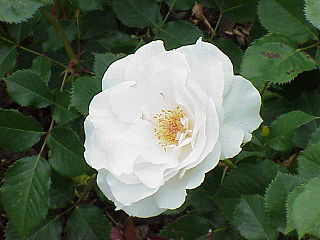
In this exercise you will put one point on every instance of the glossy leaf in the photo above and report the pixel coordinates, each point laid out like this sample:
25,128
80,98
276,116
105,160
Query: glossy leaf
197,226
66,155
7,59
309,161
274,58
286,17
25,193
83,91
276,196
28,89
303,208
178,33
252,220
15,11
246,180
87,222
136,13
282,129
18,132
312,10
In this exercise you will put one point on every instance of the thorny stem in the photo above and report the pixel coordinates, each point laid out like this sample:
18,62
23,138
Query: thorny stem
62,35
33,52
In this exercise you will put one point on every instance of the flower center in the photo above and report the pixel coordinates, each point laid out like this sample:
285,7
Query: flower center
172,127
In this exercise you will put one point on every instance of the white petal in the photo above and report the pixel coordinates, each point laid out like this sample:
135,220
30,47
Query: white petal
171,195
209,66
241,116
142,56
121,69
169,60
242,104
126,103
150,174
127,194
115,72
144,208
105,188
195,176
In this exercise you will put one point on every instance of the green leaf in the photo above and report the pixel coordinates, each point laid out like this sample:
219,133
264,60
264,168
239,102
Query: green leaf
25,193
303,208
308,102
317,58
15,11
276,196
50,229
88,5
252,221
83,91
286,17
7,59
248,179
61,192
178,33
312,10
18,132
315,137
62,111
21,31
101,62
97,24
66,155
282,130
87,222
188,227
309,161
28,89
181,4
118,42
53,42
42,66
274,58
136,13
231,50
242,11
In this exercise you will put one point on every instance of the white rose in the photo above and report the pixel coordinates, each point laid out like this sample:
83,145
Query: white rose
163,120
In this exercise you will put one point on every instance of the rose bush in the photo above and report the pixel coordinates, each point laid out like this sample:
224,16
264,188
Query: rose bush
163,120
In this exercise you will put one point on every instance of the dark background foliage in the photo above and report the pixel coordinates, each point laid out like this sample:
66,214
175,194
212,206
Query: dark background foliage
53,54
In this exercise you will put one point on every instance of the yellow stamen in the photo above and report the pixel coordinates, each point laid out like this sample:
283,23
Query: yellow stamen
169,125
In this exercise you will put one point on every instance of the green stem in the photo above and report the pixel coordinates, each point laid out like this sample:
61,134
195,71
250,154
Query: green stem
168,13
217,24
264,88
230,163
62,35
308,47
33,52
52,121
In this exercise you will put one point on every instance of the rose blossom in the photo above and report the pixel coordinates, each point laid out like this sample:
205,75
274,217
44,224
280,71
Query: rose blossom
163,120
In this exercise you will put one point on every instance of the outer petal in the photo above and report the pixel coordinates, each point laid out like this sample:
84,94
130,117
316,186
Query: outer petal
195,176
241,107
128,193
209,66
121,69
